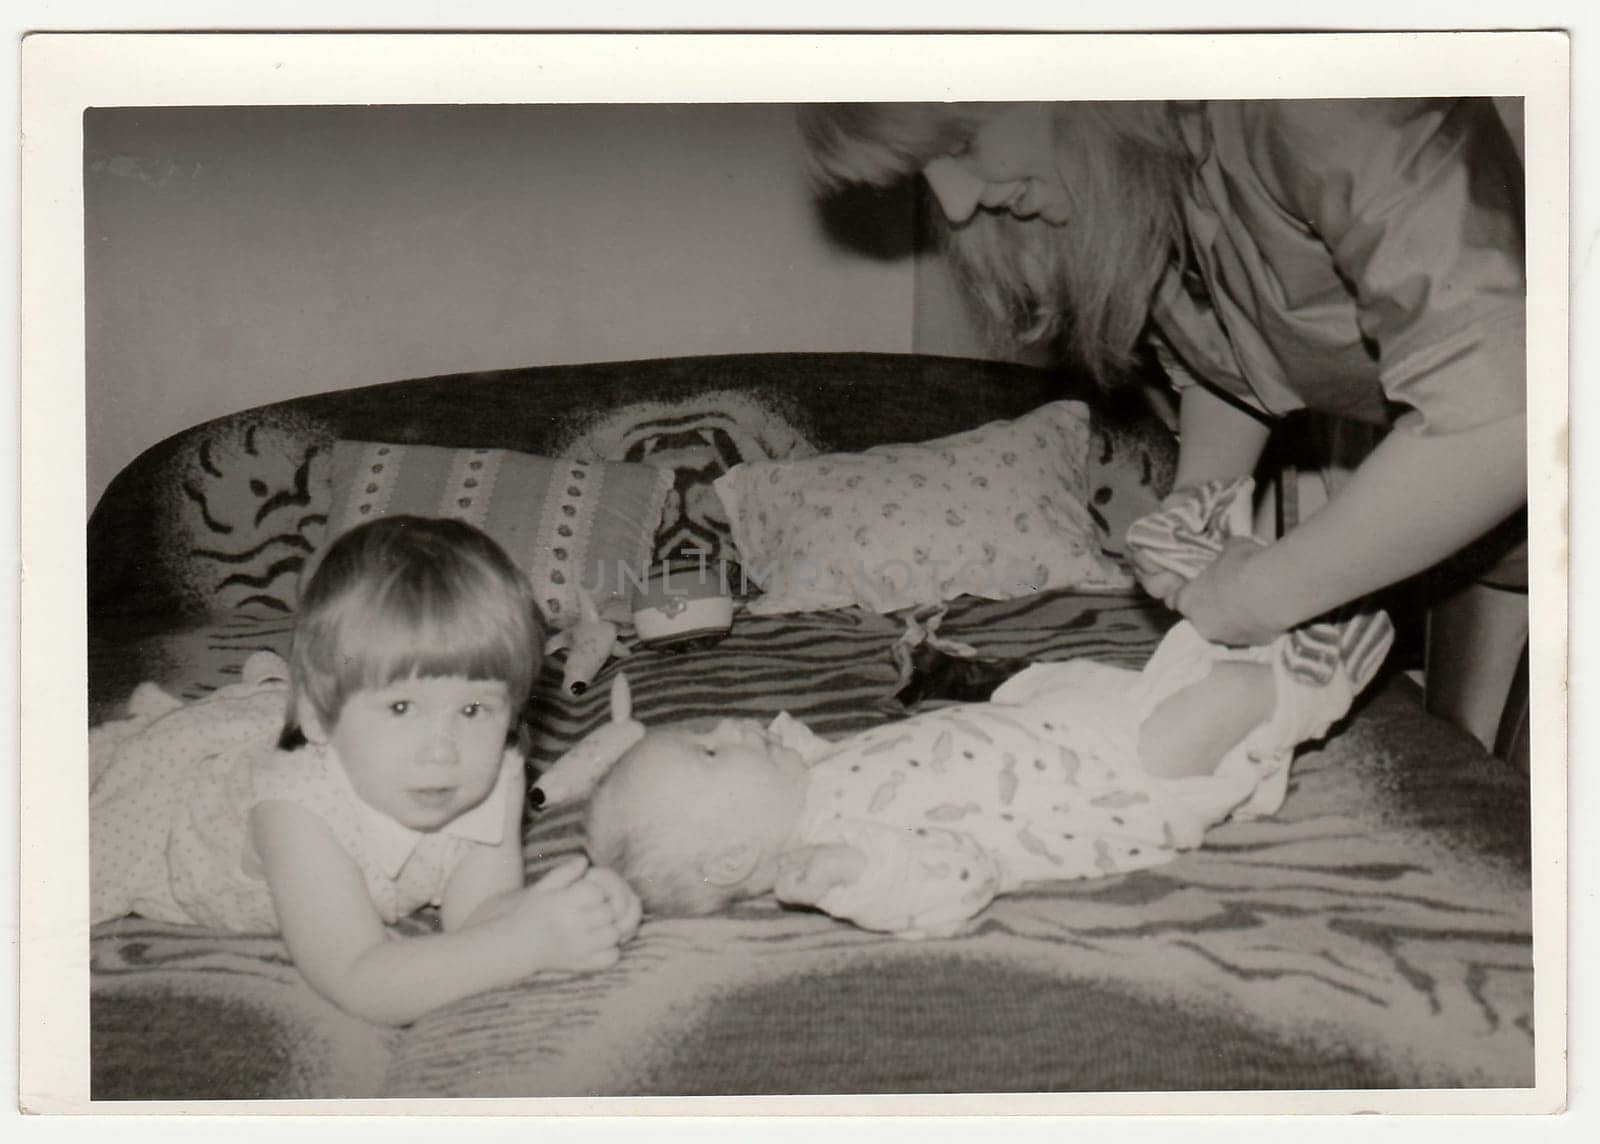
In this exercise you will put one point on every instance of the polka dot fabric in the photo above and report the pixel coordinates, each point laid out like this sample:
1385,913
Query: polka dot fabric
998,512
169,810
565,522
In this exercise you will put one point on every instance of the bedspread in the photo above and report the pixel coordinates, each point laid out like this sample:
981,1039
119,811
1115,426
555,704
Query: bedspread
1374,934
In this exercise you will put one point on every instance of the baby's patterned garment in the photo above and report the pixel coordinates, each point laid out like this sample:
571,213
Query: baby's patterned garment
958,804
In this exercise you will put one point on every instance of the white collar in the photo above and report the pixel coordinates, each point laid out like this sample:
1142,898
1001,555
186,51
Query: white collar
391,844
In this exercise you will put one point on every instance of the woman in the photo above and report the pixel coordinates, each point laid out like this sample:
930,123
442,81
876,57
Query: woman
1345,256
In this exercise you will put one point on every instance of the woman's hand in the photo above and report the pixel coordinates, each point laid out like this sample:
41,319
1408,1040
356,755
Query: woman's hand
1219,602
1154,574
1159,583
1174,544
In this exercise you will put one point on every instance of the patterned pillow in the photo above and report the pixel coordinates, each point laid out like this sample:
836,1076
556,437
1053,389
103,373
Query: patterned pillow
996,512
564,522
697,438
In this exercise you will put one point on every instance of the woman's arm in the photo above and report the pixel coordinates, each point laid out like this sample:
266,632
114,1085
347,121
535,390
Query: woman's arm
339,943
1416,500
1218,441
1418,203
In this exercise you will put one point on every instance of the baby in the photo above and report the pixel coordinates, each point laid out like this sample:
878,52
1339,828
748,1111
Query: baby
1072,770
396,784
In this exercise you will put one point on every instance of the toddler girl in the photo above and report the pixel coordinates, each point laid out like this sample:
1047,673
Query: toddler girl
393,782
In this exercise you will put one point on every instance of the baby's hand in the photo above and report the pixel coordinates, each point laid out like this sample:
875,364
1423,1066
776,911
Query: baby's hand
571,920
806,873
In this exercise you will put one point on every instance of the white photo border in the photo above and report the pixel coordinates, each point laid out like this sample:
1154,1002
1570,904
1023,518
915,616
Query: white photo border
65,74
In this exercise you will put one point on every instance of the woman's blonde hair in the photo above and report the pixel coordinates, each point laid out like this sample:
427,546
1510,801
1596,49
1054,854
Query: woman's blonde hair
405,596
878,144
1089,281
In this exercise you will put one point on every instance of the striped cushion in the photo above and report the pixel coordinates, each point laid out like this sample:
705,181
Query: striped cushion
564,522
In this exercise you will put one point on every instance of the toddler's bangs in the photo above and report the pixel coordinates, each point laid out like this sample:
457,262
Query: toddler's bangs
402,633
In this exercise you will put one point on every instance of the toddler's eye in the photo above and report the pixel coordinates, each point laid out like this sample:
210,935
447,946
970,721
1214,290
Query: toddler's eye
400,707
472,710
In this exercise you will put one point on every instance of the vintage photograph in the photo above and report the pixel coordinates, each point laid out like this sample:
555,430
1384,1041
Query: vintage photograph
836,597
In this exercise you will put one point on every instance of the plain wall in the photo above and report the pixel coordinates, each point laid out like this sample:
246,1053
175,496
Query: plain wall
236,256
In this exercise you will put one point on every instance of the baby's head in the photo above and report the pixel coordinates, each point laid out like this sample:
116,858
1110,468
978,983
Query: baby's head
695,820
405,597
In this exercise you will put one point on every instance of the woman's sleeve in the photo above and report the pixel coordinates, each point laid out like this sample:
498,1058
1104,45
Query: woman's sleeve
1420,204
1178,375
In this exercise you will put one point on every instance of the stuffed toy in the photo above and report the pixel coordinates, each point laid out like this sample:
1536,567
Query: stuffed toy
588,644
575,773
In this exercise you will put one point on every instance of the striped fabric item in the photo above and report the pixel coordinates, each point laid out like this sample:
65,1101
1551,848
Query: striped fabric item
1193,525
565,523
836,671
1190,531
1358,643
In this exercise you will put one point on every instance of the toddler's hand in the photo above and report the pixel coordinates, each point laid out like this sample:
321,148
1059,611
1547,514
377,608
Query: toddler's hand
625,907
806,873
570,921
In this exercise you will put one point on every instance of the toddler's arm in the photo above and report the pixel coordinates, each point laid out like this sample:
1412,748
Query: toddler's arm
489,879
336,938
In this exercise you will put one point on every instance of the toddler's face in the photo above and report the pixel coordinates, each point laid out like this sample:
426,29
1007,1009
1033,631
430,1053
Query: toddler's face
424,751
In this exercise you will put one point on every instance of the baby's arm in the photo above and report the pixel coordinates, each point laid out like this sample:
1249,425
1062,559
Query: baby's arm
927,883
1192,730
806,873
338,941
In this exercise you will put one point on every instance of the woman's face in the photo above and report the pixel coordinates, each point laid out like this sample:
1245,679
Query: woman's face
1010,165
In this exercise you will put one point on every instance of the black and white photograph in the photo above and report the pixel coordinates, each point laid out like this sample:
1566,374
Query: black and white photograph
1024,572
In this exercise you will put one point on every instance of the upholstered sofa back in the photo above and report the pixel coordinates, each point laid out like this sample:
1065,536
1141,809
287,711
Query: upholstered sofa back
225,514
